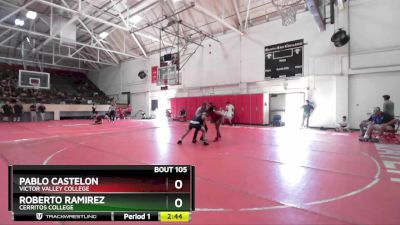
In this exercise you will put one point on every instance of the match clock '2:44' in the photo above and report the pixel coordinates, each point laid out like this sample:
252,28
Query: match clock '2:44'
175,216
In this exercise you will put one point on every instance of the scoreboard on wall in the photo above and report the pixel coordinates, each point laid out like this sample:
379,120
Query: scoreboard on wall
101,193
284,60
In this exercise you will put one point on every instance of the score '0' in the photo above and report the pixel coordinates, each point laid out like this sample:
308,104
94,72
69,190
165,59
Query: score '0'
178,184
178,203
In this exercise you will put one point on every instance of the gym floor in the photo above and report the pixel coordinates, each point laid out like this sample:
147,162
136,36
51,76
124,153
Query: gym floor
254,175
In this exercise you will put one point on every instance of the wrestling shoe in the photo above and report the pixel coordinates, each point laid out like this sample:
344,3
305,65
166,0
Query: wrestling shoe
364,139
374,140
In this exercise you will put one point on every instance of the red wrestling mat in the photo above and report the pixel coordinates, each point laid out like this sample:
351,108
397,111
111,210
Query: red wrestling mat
254,175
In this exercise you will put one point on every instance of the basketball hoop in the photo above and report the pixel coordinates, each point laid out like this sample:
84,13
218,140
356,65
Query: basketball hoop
287,10
34,82
35,86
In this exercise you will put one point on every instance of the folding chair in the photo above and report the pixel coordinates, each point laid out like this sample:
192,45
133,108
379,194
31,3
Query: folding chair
390,136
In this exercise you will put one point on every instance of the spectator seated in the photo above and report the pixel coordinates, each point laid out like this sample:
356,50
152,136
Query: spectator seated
390,136
182,115
343,126
378,126
276,121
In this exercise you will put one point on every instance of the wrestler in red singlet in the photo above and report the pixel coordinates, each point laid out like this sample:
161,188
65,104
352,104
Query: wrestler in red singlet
216,118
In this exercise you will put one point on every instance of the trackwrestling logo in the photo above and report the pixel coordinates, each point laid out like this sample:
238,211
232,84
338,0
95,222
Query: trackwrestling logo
39,216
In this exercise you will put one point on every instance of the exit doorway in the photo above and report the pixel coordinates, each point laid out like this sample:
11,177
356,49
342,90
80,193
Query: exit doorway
288,106
159,106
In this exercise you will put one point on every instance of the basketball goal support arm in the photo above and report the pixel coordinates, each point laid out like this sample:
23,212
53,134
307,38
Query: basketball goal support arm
313,7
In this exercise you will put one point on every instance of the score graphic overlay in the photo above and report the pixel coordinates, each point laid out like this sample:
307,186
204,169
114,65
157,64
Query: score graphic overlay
101,193
284,60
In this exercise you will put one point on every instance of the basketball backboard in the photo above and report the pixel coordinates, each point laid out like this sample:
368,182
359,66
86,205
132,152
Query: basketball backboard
33,79
168,75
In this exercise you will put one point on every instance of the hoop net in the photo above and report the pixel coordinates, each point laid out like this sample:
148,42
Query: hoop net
35,86
287,10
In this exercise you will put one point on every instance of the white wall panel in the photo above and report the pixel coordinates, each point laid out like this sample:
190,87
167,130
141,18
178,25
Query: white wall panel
236,64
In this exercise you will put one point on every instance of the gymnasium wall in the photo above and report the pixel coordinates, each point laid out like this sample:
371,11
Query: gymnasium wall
362,99
375,33
375,56
332,79
123,78
235,65
248,107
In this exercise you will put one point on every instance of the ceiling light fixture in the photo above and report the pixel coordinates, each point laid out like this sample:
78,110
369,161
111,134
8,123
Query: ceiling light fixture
19,22
31,15
103,35
135,19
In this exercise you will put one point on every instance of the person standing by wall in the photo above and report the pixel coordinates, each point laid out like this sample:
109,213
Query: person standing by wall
307,110
94,112
7,111
18,109
112,111
32,109
388,105
230,111
42,112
